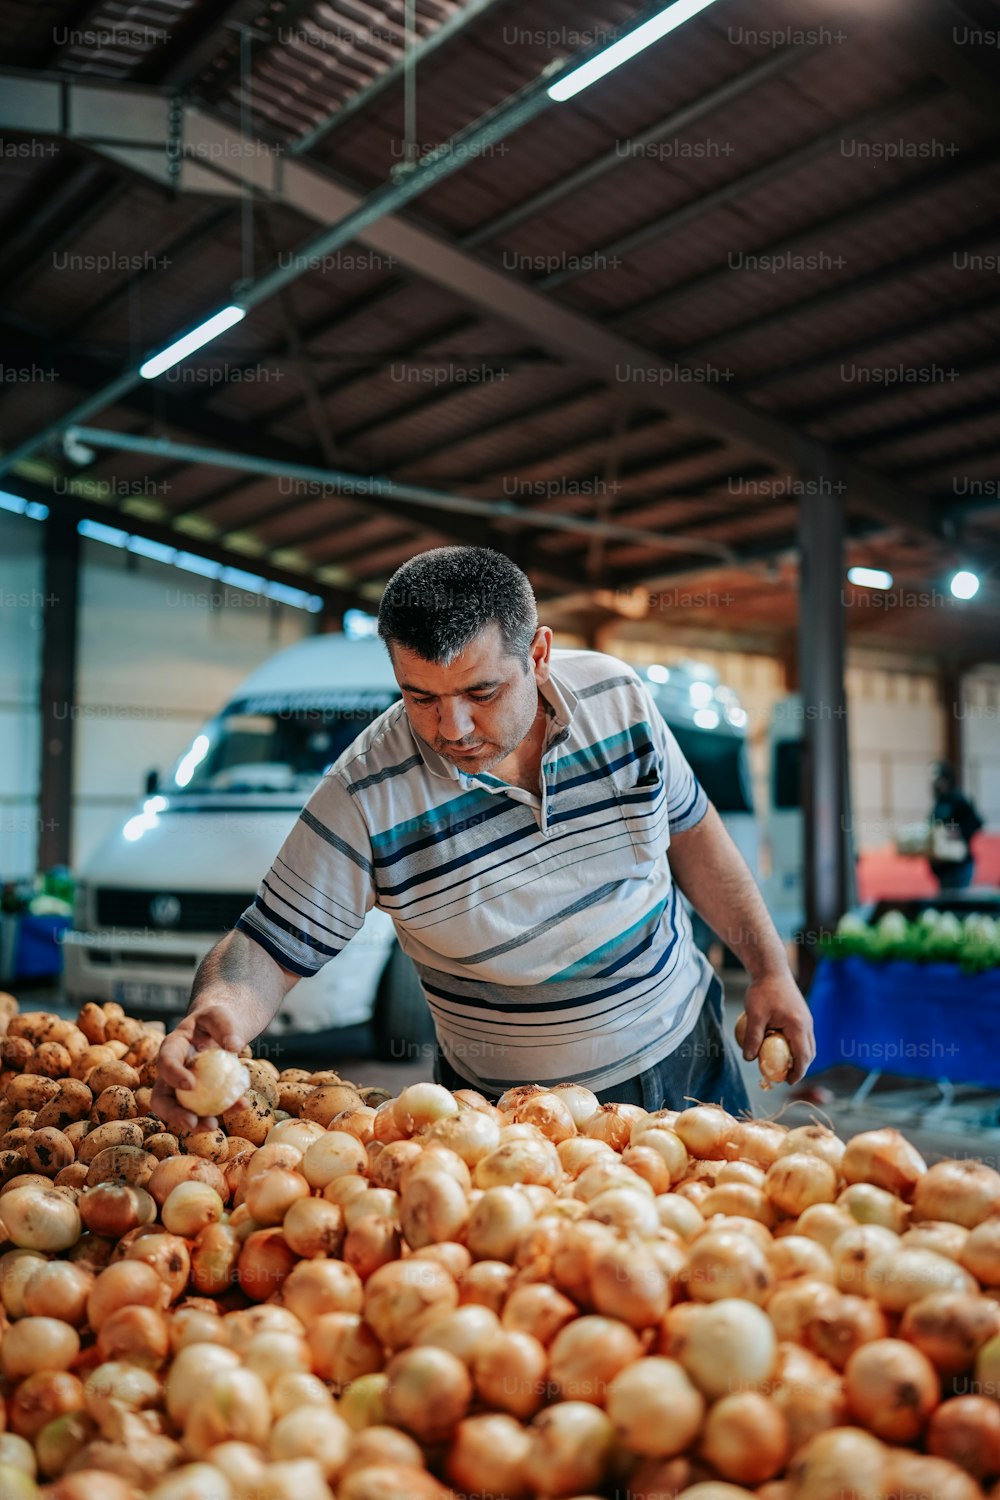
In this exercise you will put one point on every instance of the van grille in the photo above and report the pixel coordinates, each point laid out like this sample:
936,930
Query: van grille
171,911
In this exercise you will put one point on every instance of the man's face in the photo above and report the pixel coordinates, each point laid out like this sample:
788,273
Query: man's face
476,710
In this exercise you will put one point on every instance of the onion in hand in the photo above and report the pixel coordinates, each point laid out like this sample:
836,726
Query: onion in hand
220,1080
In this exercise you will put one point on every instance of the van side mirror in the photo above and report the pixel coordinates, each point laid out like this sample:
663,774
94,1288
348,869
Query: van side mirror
152,782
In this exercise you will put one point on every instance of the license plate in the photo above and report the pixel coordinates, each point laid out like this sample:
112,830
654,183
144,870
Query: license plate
138,996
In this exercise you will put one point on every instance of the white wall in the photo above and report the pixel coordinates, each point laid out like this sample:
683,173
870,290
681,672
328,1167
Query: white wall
160,650
980,727
21,606
896,729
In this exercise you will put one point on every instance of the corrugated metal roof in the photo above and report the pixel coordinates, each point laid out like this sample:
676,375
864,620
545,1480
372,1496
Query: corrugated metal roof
414,381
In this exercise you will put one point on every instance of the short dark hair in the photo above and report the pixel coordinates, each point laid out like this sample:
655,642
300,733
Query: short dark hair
439,601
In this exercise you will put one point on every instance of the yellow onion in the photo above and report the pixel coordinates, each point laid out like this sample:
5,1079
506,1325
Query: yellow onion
966,1430
587,1354
798,1180
885,1158
961,1192
868,1204
570,1450
510,1373
841,1462
487,1456
900,1277
655,1410
952,1328
723,1264
745,1437
398,1295
729,1345
428,1393
891,1389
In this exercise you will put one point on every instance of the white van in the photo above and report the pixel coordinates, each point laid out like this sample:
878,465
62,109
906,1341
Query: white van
159,891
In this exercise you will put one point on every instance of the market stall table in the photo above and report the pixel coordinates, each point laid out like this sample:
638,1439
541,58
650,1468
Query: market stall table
921,1020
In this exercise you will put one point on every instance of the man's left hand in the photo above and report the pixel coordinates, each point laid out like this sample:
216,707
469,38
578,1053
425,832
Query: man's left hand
774,1003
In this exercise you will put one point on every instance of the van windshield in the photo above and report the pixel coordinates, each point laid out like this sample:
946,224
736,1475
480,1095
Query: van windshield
259,746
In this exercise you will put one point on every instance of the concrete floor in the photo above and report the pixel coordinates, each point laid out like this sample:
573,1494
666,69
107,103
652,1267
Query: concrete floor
967,1125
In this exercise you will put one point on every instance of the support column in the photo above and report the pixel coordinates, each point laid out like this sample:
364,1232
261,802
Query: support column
57,694
827,842
950,689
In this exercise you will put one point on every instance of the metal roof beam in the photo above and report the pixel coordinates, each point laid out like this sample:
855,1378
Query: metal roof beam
624,364
335,596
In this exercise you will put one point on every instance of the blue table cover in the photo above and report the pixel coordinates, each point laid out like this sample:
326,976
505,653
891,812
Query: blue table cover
921,1020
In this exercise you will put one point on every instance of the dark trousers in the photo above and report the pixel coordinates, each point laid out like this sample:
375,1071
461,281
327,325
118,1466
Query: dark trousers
704,1069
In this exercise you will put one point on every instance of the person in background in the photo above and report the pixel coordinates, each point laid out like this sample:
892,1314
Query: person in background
956,814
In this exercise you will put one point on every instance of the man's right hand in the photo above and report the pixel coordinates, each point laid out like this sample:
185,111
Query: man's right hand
213,1024
237,992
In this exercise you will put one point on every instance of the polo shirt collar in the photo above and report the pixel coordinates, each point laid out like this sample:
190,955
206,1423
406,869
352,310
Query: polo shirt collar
557,694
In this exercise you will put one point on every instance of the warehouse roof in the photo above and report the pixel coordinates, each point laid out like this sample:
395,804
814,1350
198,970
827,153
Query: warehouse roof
758,263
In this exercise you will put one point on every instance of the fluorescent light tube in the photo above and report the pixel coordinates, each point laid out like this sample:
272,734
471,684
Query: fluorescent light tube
869,578
182,347
627,47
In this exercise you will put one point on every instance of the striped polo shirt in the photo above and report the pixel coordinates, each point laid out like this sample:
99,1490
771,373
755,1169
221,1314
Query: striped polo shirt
549,937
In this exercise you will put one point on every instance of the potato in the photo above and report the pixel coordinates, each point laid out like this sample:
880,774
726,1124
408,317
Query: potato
25,1117
113,1103
92,1022
112,1075
48,1151
75,1042
75,1175
238,1145
294,1075
252,1120
292,1096
15,1138
117,1049
52,1059
326,1075
114,1133
328,1100
123,1029
38,1026
162,1145
263,1081
12,1164
92,1058
210,1145
121,1164
77,1131
149,1125
16,1052
73,1102
31,1091
143,1098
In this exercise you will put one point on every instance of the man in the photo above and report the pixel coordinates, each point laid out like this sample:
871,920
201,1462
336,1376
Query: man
960,821
528,821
